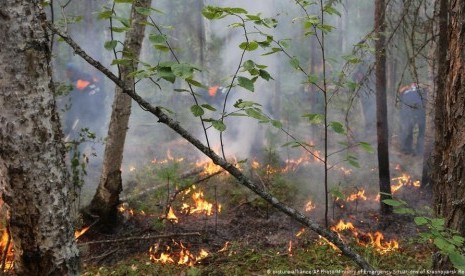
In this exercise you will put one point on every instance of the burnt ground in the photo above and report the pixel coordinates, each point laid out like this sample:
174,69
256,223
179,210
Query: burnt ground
250,223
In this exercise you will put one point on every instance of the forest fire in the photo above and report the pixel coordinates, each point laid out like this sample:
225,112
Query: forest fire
175,254
9,257
208,167
402,181
78,233
309,206
200,205
171,216
357,196
374,240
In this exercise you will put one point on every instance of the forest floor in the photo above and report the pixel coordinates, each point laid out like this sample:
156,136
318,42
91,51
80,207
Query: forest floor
245,236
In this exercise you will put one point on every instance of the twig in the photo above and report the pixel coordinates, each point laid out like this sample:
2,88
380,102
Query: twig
141,238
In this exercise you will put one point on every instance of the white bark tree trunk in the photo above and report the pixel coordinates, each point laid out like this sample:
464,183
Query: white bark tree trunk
33,176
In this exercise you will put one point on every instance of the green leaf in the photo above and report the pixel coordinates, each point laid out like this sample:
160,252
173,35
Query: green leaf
443,245
392,202
331,10
183,70
256,113
420,221
276,124
197,110
106,14
367,147
157,38
294,62
209,107
353,162
237,10
212,13
249,46
265,75
457,260
119,29
123,61
313,79
219,125
246,83
459,240
124,1
143,11
438,223
110,45
336,193
161,47
404,211
248,65
195,83
337,127
315,118
273,50
166,74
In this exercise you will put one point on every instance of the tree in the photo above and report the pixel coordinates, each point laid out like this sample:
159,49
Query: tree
381,107
449,153
106,199
33,175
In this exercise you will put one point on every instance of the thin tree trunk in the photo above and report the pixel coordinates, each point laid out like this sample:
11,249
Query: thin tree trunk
33,177
448,176
106,199
381,108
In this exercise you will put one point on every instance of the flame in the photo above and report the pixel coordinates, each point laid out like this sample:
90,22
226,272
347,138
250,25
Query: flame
208,167
325,241
403,180
289,248
79,233
171,216
225,247
9,262
255,164
341,226
374,240
309,206
356,196
179,254
200,205
132,168
301,231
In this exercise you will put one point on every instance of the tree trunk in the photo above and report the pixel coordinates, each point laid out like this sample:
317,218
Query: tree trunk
381,108
33,176
448,175
106,199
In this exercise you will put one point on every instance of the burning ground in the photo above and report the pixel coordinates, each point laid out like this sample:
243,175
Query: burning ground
197,219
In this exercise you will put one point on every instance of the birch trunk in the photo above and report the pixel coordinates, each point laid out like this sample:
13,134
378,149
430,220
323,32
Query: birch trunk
33,176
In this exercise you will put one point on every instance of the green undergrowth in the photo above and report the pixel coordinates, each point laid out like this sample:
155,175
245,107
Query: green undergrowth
240,259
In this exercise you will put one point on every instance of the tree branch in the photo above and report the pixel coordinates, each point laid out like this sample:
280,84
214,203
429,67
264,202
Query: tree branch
235,172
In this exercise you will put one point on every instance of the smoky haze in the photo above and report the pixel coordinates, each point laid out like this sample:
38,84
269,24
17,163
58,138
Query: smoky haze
285,98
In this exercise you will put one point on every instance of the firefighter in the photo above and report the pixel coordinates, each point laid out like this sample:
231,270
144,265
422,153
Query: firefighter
86,103
412,117
216,95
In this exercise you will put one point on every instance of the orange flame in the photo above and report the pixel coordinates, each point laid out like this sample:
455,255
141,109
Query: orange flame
225,247
79,233
301,231
182,257
289,248
9,262
208,167
171,216
309,206
356,196
341,226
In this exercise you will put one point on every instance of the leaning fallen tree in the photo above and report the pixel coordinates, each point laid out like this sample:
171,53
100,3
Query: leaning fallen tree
234,171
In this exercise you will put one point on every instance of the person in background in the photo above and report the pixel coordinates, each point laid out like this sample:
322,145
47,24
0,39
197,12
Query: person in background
86,104
412,117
